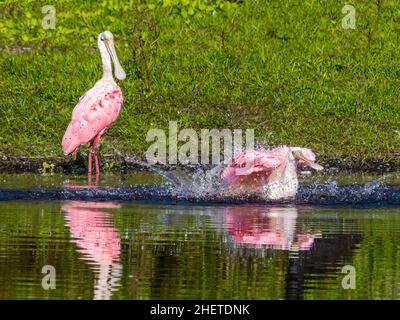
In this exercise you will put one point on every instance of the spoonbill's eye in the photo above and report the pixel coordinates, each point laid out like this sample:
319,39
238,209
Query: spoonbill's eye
102,38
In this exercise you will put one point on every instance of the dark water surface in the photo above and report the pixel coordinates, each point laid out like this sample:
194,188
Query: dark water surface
128,249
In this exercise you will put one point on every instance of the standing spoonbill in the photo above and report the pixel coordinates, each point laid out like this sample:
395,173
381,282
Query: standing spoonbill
271,173
98,108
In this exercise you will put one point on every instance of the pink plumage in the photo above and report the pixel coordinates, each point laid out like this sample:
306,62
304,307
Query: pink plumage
253,166
274,227
92,230
96,110
97,240
249,162
270,172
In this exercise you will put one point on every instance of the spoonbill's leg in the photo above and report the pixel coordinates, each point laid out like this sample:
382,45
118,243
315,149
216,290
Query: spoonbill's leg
90,160
96,143
96,181
74,153
89,180
90,167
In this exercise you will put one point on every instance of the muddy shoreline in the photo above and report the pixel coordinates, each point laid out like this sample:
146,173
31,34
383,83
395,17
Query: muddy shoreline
116,164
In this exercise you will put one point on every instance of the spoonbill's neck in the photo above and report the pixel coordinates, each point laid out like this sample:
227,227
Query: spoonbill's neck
106,60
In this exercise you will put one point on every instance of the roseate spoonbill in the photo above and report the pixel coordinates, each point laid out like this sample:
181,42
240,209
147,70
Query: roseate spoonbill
98,108
271,173
96,238
273,227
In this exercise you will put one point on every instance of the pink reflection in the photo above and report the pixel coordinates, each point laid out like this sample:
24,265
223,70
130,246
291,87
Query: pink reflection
96,238
271,227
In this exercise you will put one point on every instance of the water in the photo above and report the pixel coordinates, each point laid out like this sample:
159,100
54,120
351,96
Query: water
138,237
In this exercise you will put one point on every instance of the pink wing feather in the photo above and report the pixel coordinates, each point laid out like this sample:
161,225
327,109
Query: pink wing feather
96,110
250,161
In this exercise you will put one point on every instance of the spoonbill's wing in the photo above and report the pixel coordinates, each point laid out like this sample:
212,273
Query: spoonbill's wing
96,110
248,162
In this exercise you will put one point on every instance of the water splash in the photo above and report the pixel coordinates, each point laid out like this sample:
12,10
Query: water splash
375,184
375,192
206,183
204,187
202,183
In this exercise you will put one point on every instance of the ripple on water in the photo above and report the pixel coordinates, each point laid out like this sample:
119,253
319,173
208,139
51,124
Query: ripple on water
147,242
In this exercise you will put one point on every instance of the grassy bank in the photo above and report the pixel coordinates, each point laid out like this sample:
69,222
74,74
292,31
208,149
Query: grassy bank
285,68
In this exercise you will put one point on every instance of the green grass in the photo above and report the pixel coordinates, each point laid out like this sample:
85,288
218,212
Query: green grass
285,68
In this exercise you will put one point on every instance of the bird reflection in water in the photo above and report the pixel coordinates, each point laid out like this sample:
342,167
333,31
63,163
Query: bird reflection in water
98,242
273,227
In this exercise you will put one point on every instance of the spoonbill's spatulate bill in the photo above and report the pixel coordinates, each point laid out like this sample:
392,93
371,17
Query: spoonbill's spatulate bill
272,173
98,108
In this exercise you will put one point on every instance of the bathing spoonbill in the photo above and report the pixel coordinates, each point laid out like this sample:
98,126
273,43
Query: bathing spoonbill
273,227
270,173
98,108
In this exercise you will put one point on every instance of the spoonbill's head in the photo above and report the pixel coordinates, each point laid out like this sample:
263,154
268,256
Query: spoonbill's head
106,39
305,158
